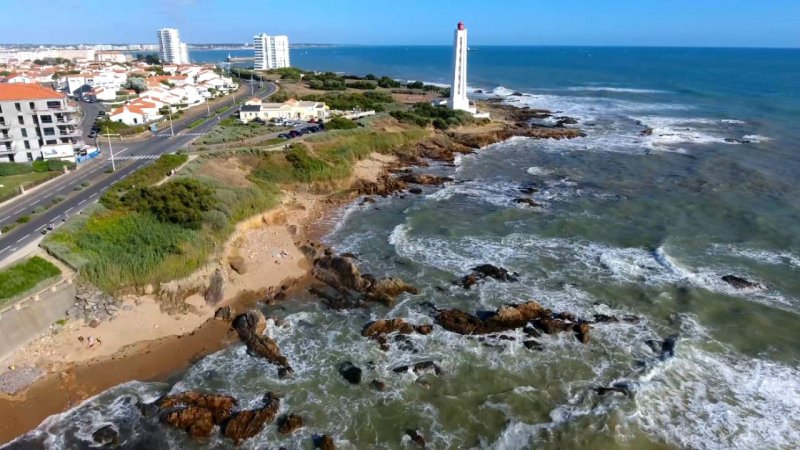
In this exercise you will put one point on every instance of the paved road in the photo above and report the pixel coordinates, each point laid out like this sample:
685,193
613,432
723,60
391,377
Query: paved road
128,158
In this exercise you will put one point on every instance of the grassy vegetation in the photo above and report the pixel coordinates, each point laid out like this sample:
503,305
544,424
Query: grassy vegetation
347,101
22,278
145,176
9,185
196,123
111,127
424,114
340,123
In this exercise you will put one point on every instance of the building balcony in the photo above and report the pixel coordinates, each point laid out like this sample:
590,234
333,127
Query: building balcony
4,126
6,138
69,120
59,108
77,132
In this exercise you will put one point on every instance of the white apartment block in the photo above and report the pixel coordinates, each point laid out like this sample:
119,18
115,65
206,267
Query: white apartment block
271,52
34,119
170,48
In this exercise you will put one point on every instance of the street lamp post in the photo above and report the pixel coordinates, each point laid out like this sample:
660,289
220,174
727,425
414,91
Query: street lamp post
208,108
169,113
110,150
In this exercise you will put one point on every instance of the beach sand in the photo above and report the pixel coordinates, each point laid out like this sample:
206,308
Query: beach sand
146,343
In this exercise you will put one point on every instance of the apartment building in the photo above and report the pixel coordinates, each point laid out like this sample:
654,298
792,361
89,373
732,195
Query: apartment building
32,119
170,48
271,52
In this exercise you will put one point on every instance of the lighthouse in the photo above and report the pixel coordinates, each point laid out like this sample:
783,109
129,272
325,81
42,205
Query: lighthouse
458,91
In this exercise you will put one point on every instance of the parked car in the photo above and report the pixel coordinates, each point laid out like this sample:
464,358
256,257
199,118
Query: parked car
101,113
284,136
92,134
313,120
294,134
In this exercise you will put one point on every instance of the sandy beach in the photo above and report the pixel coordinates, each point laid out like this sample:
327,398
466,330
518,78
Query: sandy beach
149,341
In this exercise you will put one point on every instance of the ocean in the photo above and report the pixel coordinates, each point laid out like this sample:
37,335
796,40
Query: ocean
631,223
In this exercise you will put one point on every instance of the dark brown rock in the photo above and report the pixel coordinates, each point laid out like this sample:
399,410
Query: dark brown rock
552,326
224,313
350,372
527,201
246,424
325,442
386,326
416,437
582,331
424,329
379,385
237,264
106,436
739,282
250,327
386,289
290,423
533,345
198,422
220,406
505,318
384,186
424,179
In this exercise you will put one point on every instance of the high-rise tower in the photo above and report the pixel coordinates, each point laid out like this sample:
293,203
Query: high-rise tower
458,91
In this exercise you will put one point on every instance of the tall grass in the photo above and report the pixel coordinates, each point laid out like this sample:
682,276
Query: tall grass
24,277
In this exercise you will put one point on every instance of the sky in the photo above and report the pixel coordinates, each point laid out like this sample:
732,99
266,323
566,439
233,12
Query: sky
714,23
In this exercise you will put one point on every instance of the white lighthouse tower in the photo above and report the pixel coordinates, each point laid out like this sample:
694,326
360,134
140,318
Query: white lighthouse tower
458,91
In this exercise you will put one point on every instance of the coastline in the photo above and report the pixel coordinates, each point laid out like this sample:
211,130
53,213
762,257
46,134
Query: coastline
263,243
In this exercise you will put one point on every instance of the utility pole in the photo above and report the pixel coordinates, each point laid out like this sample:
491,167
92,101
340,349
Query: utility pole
207,108
171,130
251,83
110,150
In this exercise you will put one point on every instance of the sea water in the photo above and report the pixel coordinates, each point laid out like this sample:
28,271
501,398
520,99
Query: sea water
630,223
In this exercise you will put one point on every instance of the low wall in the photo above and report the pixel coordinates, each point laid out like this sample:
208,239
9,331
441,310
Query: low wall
27,319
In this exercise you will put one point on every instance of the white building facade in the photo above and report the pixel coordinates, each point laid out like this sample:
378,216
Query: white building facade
170,48
271,52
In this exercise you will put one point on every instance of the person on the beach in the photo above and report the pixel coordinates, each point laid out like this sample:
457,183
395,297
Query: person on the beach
90,339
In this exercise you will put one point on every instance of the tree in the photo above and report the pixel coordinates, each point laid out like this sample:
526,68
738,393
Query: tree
181,202
340,123
371,77
386,82
416,85
137,84
149,58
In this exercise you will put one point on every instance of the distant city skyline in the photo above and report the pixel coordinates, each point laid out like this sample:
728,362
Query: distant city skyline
711,23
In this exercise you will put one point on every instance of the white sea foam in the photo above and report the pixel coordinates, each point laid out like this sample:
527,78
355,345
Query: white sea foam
760,256
538,171
617,89
756,138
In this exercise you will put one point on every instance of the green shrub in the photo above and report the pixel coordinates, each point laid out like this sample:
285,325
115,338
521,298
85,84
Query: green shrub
181,202
58,199
351,100
86,184
145,176
39,209
7,228
196,123
366,85
340,123
7,169
23,219
386,82
21,278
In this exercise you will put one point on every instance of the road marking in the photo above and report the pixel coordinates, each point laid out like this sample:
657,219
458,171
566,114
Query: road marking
67,210
94,195
22,238
137,157
81,202
19,210
4,218
13,249
7,246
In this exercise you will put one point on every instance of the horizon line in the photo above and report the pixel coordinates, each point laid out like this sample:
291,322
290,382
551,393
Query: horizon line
740,47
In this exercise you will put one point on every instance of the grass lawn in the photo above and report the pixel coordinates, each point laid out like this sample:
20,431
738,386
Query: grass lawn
9,185
24,277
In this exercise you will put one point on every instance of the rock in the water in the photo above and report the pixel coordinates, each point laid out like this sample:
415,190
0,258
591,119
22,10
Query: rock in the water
384,186
665,348
420,367
386,326
106,436
424,329
246,424
224,313
386,289
416,437
533,345
285,372
424,179
526,201
618,388
582,332
739,282
198,422
250,327
416,191
290,423
379,385
324,442
505,318
350,372
484,271
220,406
552,326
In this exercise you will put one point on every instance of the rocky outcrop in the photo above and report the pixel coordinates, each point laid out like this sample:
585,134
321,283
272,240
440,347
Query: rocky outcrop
616,388
350,372
198,422
93,307
527,202
250,327
224,313
246,424
289,423
220,406
324,442
665,348
484,271
383,186
740,283
425,179
386,326
237,264
342,275
420,367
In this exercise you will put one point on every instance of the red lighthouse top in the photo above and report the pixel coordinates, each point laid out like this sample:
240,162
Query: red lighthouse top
460,25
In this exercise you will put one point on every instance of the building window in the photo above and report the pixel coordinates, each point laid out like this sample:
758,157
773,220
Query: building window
51,142
27,145
49,131
24,132
33,107
47,119
30,157
19,108
21,120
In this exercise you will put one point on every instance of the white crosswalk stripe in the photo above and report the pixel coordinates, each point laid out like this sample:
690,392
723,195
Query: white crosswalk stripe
136,157
184,134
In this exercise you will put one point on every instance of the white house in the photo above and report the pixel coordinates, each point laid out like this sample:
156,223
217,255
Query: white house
138,112
292,109
100,94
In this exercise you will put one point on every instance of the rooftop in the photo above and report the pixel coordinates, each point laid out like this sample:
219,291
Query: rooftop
20,91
